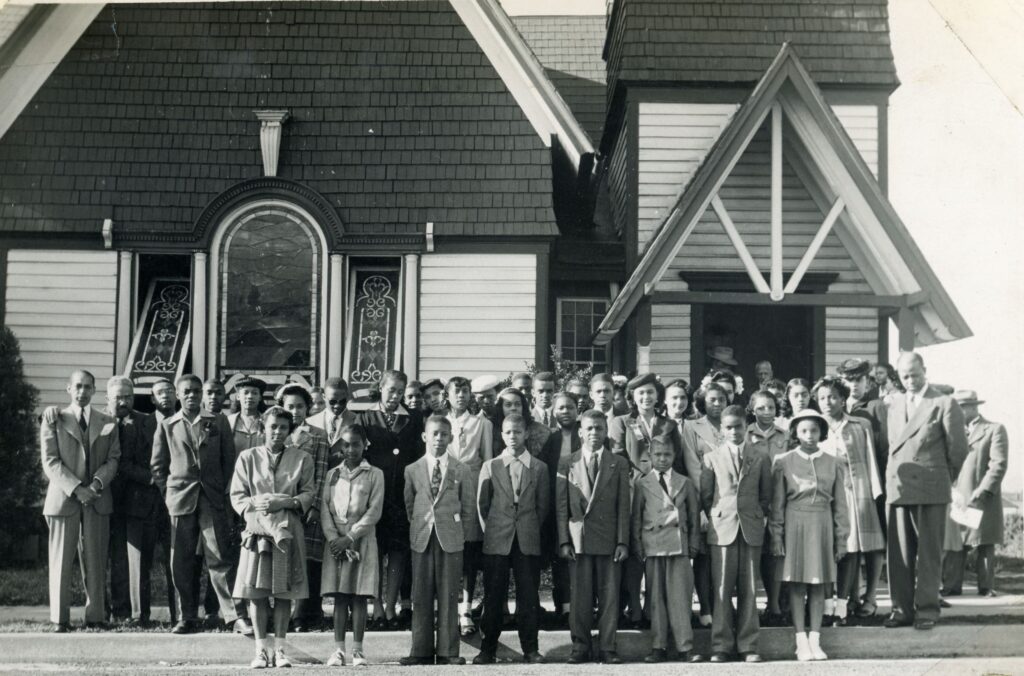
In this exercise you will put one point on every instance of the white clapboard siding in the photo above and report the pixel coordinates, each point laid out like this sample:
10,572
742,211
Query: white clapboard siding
670,341
477,314
673,139
850,331
62,307
861,123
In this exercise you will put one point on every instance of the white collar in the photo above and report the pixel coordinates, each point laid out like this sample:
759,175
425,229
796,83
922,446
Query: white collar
432,460
810,456
587,454
461,419
667,474
79,411
508,458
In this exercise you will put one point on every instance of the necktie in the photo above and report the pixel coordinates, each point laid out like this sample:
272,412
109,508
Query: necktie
332,428
435,480
516,469
661,480
592,469
84,426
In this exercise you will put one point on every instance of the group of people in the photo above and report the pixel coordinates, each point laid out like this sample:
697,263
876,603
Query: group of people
686,493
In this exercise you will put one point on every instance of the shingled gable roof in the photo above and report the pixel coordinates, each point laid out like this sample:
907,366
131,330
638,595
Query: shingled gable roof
666,42
880,243
569,48
398,118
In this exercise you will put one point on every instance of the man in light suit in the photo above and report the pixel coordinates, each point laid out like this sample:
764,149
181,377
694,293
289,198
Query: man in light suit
440,500
336,414
927,447
736,492
513,500
978,486
80,449
592,495
193,461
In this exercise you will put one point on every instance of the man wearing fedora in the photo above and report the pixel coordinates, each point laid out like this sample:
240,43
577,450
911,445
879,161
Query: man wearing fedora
722,357
978,485
927,447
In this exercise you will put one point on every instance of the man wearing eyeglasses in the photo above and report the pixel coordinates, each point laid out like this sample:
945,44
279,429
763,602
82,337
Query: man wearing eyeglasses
333,418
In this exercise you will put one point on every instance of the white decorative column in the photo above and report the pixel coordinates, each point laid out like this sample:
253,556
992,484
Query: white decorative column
335,318
199,309
125,313
271,123
411,325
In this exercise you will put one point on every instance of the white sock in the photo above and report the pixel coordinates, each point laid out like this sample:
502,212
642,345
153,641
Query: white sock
841,608
830,606
277,643
464,608
261,644
566,608
706,620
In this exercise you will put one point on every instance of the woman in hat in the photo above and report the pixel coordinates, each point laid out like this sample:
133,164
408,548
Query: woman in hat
245,422
295,399
809,526
850,441
271,489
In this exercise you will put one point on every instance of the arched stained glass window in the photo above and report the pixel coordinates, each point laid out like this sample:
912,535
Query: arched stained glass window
271,267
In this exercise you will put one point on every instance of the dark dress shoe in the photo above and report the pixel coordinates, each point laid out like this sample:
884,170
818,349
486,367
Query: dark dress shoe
943,603
451,661
750,657
951,592
414,661
718,658
103,626
484,658
610,657
924,625
893,622
657,655
534,657
695,658
683,657
577,657
988,593
60,627
185,627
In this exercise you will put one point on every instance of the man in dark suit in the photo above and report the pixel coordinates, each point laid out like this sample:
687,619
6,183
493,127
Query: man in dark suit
133,524
513,500
979,486
593,534
193,461
80,450
736,492
927,447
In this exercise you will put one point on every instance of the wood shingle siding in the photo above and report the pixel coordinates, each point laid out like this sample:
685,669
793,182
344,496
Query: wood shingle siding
477,314
62,307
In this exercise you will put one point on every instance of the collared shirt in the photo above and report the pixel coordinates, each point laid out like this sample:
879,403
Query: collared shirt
78,411
914,399
648,427
665,478
247,433
471,438
972,423
431,461
737,454
192,427
515,467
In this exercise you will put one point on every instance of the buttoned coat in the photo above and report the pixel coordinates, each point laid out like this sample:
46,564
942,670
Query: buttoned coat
502,521
665,524
628,436
182,471
135,495
452,511
593,521
736,502
985,468
65,463
926,452
392,449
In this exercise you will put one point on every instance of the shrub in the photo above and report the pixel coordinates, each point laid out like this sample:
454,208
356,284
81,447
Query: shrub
21,480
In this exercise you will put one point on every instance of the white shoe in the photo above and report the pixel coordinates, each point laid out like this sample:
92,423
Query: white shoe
337,659
814,640
357,659
705,620
261,661
803,649
280,659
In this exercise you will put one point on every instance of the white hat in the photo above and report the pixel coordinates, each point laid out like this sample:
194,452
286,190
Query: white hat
483,383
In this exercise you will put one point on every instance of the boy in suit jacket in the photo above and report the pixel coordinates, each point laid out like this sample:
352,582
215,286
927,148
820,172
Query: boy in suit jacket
80,450
927,447
440,500
193,462
665,536
593,533
513,500
736,492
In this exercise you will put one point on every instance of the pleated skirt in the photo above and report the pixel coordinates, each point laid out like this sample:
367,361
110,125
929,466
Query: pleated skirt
810,555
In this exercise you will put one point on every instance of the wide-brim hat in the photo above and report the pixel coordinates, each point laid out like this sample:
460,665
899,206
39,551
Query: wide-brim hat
724,355
853,368
968,397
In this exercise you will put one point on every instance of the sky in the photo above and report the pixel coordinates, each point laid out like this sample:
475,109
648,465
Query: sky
956,177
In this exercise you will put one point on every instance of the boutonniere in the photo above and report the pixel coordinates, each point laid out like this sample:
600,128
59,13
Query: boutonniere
209,429
639,433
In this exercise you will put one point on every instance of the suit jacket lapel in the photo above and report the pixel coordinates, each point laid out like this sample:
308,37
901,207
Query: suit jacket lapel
181,434
504,476
96,426
579,472
914,422
70,423
978,431
675,485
